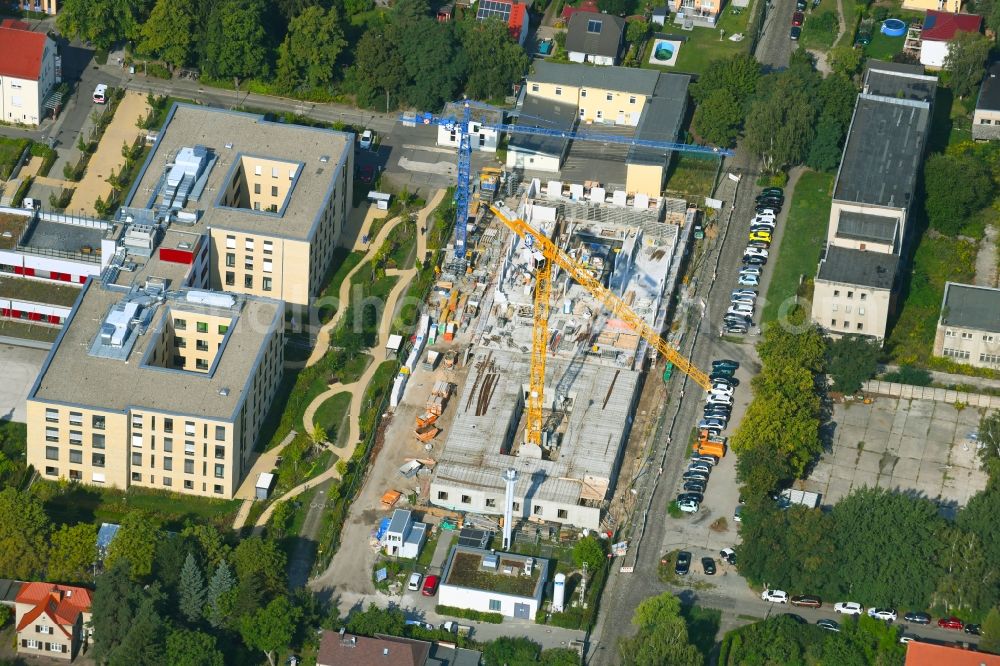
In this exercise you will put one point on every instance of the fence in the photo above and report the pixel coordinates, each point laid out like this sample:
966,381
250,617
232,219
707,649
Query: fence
950,396
75,220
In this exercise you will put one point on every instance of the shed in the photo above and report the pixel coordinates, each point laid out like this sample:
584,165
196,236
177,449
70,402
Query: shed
265,482
393,345
404,537
659,16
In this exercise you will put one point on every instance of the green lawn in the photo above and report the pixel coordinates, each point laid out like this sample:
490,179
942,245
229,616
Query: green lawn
10,152
703,44
28,331
330,416
882,47
39,292
342,264
801,241
821,26
937,260
691,175
403,241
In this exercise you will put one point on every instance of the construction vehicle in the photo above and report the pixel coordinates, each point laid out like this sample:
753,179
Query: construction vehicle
460,127
553,254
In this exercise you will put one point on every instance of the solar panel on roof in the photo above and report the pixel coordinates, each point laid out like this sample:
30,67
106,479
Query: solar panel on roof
493,9
473,538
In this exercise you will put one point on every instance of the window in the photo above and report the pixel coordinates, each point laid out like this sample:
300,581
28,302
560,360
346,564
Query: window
562,514
230,278
188,484
985,121
167,481
948,333
558,91
955,353
442,495
466,499
168,444
268,266
42,629
137,421
97,459
966,335
274,190
137,477
220,436
231,242
137,441
860,326
495,605
189,448
847,324
583,112
217,489
52,434
248,281
189,428
201,345
230,259
168,425
52,415
583,93
168,464
594,26
833,322
268,247
52,471
223,328
517,506
189,467
491,503
864,296
987,338
51,453
836,292
202,327
608,97
266,282
181,343
274,172
992,359
256,188
258,170
76,456
76,418
248,264
220,471
534,87
834,308
31,643
850,294
137,459
97,477
200,364
97,441
847,309
631,99
537,509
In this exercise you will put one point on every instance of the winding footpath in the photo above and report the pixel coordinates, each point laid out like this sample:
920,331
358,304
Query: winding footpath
357,388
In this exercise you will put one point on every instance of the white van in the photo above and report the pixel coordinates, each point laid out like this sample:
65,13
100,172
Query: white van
100,93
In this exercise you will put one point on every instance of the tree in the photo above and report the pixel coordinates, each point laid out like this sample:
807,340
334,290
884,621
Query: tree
103,22
24,535
270,628
718,118
637,30
509,651
214,548
616,7
956,186
235,41
560,657
143,644
433,65
779,126
192,648
378,75
739,74
967,53
136,542
170,32
191,590
221,583
590,551
375,620
825,151
307,58
850,361
989,440
662,637
844,60
495,61
991,631
969,579
116,607
73,551
254,556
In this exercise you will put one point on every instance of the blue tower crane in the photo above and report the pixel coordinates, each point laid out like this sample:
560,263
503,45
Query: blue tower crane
461,128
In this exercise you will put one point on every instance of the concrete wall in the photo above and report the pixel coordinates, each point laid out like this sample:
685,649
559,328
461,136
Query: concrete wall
909,392
482,139
490,502
532,161
836,304
577,56
969,346
463,597
985,125
276,267
645,179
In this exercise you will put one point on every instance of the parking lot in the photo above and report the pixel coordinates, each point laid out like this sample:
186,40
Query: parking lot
907,445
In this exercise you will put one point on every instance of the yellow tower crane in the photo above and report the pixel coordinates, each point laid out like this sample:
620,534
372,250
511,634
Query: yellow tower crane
552,254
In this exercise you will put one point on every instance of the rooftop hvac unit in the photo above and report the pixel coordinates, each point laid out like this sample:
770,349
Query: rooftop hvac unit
491,561
529,566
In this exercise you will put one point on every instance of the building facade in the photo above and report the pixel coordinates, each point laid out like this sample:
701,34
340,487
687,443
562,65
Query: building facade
51,620
986,117
27,73
968,330
493,582
39,6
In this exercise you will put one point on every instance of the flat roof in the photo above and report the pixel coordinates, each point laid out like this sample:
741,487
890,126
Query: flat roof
621,79
72,375
865,227
971,306
590,445
860,267
884,149
900,80
989,92
73,238
231,135
661,118
464,569
539,112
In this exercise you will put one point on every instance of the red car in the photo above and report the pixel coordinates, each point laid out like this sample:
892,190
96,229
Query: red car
951,623
431,586
798,18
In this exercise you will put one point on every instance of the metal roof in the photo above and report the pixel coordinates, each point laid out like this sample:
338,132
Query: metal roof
971,306
547,114
661,118
865,227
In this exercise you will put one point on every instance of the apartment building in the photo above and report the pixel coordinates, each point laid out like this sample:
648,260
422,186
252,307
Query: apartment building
272,198
869,228
51,620
40,6
968,330
27,73
986,117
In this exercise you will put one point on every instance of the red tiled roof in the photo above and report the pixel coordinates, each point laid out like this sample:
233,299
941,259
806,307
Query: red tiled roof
942,26
62,603
585,6
15,24
518,12
929,654
21,53
364,651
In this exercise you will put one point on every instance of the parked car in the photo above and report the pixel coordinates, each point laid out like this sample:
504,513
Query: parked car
746,292
711,460
951,623
723,388
700,467
748,280
694,497
772,206
431,586
917,617
717,377
728,555
754,260
973,629
694,487
725,363
738,329
687,506
750,270
414,583
848,608
683,564
694,476
773,192
887,614
798,18
712,422
774,596
762,225
708,566
807,601
366,140
795,33
366,173
738,515
829,625
904,639
764,236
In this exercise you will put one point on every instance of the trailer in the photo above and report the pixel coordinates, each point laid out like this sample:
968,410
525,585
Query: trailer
427,433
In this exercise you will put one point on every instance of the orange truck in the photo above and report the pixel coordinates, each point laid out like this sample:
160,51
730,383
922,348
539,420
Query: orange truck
708,448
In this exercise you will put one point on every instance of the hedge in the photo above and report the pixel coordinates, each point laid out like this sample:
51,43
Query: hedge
467,614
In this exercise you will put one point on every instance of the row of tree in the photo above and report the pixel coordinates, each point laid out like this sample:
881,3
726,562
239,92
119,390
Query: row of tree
301,47
789,117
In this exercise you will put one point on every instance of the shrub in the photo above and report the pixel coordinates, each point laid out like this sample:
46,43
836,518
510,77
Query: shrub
908,374
157,70
468,614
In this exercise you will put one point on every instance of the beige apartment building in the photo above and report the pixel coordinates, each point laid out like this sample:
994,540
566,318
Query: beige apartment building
272,197
968,329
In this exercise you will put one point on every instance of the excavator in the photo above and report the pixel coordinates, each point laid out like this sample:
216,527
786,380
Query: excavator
553,254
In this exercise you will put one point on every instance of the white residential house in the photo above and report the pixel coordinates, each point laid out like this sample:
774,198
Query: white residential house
483,138
493,582
404,537
27,73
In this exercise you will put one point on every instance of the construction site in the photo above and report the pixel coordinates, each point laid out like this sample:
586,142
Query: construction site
466,413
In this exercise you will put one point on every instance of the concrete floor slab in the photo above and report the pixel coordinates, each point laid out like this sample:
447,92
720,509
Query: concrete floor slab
945,413
836,491
876,442
881,420
922,408
856,415
868,462
893,442
842,473
930,472
941,431
906,469
864,479
916,426
936,451
20,368
911,447
851,435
